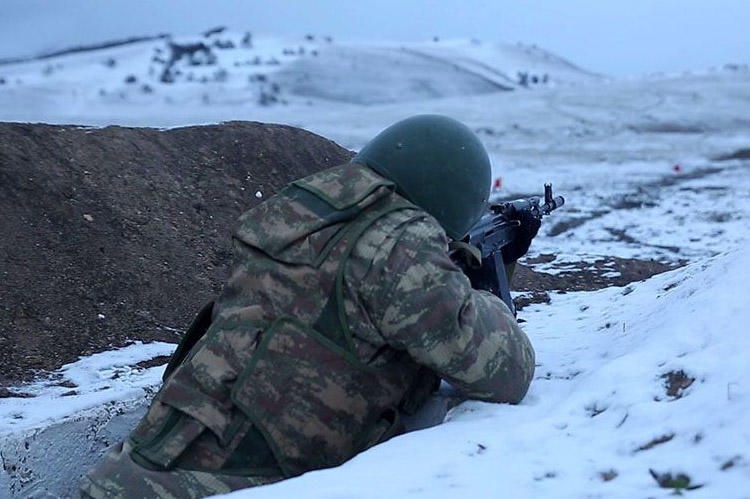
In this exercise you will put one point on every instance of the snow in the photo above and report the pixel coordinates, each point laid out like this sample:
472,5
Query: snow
598,416
125,84
88,383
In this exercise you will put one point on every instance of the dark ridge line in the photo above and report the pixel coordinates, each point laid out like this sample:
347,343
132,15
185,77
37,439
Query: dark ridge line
566,62
488,68
458,67
85,48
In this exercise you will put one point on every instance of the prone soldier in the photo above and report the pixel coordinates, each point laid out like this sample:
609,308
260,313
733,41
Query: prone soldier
342,313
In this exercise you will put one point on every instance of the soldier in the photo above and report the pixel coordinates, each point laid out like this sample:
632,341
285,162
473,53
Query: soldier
342,312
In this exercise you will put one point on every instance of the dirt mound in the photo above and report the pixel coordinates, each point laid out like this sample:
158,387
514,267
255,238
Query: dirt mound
116,234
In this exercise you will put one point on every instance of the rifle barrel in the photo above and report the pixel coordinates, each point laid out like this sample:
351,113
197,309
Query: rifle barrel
552,204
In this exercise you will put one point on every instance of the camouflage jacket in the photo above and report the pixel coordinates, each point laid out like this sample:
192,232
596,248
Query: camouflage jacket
342,310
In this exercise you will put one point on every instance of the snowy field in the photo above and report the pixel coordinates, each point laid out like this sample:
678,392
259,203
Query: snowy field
639,390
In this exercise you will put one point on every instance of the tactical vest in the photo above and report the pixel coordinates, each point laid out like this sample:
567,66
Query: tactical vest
277,369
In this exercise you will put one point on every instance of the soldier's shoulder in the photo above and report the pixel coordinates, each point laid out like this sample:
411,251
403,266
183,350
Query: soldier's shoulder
412,222
422,225
401,238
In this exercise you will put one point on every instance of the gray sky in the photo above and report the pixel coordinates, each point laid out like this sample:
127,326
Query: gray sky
617,37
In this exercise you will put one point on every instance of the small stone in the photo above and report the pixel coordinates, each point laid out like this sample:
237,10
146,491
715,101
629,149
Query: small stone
258,194
608,475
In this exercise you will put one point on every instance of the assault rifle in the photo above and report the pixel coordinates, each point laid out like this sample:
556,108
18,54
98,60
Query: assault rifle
496,229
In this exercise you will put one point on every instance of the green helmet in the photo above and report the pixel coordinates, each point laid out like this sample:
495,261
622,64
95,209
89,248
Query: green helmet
437,163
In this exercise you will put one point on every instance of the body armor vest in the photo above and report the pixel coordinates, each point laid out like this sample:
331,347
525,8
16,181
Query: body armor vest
277,369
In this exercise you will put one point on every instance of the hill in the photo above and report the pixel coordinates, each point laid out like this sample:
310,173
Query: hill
225,70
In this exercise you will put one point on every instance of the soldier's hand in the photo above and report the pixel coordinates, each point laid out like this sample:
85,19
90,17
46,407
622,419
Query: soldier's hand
468,258
526,231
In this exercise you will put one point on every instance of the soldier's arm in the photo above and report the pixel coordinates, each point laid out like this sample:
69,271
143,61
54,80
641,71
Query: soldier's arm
468,337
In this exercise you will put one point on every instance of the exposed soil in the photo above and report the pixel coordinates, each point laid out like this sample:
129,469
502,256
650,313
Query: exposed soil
676,382
120,234
656,441
588,276
580,276
667,127
738,154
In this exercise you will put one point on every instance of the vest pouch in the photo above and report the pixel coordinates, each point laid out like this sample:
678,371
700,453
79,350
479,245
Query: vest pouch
193,410
160,452
311,399
184,397
200,386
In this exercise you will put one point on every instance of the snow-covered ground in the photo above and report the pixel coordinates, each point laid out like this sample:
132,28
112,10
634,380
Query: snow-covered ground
166,82
598,419
633,384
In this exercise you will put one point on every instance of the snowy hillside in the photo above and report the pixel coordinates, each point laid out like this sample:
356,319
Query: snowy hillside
242,70
640,389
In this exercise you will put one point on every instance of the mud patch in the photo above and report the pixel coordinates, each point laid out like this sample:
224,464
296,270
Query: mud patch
633,202
156,361
608,476
667,127
587,276
738,154
572,223
656,441
622,236
677,481
730,463
520,302
669,181
5,394
676,382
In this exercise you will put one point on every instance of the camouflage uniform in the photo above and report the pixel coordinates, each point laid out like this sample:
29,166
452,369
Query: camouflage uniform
343,311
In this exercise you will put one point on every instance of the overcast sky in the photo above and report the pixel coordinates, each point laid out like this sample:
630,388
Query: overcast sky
616,37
